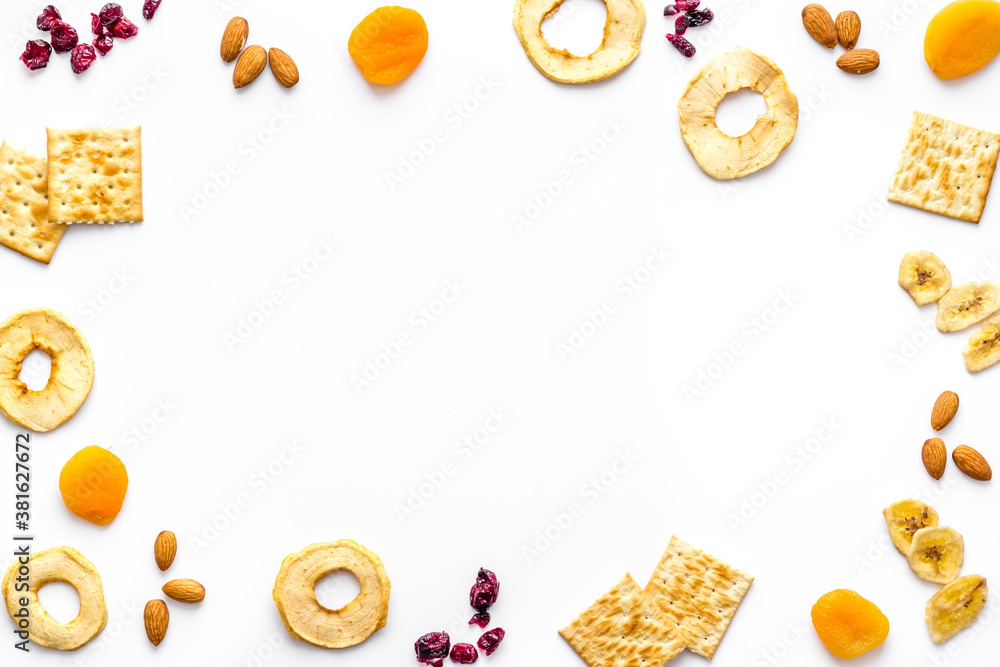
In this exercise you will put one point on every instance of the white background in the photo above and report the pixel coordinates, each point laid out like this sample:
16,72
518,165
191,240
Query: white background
192,274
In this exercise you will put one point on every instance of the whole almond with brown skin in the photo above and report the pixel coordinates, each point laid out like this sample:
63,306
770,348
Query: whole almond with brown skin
283,67
935,457
972,463
819,24
165,549
848,29
156,617
233,38
184,590
944,410
251,63
859,61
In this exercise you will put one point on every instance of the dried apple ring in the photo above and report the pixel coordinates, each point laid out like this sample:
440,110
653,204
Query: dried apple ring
619,47
718,154
308,620
58,564
70,380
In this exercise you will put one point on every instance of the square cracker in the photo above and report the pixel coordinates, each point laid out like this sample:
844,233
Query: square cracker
24,211
946,168
699,593
95,175
624,628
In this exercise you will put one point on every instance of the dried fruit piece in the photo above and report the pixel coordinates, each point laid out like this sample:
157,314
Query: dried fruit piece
184,590
848,29
93,484
156,617
963,37
124,29
47,18
149,8
82,57
249,66
388,44
670,10
483,595
165,550
681,44
935,457
433,648
234,38
110,13
681,25
36,54
819,24
687,5
103,44
983,349
945,408
924,277
97,27
966,305
490,641
972,463
700,17
848,624
955,607
859,61
464,654
903,518
937,554
64,37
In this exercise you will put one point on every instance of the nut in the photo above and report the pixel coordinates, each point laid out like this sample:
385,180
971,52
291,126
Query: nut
944,410
935,457
283,67
165,549
234,37
184,590
972,463
859,61
819,24
156,617
848,29
249,66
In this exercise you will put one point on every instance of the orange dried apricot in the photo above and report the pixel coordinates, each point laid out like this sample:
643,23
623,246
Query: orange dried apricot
848,624
963,37
93,485
389,44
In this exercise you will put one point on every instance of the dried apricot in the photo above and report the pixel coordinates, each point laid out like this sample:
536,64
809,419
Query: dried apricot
93,485
848,624
963,37
389,44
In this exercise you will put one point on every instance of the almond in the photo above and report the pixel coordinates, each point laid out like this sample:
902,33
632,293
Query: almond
184,590
283,67
944,410
249,66
848,29
165,549
859,61
234,37
819,24
935,457
156,617
972,463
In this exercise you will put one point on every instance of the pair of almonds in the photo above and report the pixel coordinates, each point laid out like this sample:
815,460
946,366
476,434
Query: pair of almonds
253,59
934,454
846,30
156,616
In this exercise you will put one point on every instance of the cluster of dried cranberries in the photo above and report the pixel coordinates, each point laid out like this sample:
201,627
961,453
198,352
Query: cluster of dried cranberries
688,16
434,647
106,26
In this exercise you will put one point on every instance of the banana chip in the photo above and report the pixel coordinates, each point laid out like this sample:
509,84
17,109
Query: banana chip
724,157
937,554
955,607
983,349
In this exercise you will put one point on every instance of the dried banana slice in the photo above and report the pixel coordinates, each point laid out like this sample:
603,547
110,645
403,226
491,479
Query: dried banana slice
904,518
983,349
924,276
937,554
966,305
955,607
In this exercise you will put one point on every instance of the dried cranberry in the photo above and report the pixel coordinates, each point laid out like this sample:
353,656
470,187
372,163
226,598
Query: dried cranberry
36,54
682,45
464,654
64,37
432,648
490,641
124,29
97,27
149,8
111,12
669,10
48,16
484,592
681,24
482,620
103,44
82,57
687,5
699,17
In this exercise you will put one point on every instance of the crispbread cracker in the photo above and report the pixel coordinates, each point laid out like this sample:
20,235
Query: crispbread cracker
624,628
24,213
699,593
946,168
95,175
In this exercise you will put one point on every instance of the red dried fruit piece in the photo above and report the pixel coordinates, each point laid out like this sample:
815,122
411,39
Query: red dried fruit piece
124,29
111,12
682,24
103,44
685,47
482,620
149,8
670,10
36,54
432,648
48,16
464,654
699,17
483,594
64,37
687,5
97,27
490,641
82,57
